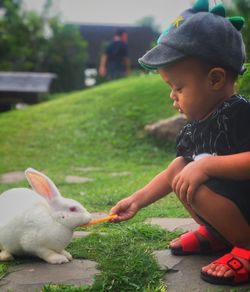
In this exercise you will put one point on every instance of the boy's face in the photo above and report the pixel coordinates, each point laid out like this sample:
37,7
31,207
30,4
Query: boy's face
190,90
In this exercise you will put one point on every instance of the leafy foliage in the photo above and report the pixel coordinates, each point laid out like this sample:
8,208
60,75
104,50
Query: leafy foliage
66,55
243,8
149,21
32,43
243,84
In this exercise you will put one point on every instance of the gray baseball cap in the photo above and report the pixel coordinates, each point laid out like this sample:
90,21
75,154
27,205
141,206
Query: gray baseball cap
201,33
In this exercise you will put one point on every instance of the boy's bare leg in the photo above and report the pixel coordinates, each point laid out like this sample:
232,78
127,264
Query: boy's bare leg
177,242
181,163
227,219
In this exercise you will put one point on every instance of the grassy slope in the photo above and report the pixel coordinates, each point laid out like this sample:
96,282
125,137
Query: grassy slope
74,126
100,127
69,130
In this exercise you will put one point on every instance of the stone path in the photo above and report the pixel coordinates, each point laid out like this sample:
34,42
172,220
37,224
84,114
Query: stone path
32,276
12,177
182,275
184,271
17,176
73,179
172,224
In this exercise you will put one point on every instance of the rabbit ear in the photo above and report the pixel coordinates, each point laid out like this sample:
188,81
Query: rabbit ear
41,184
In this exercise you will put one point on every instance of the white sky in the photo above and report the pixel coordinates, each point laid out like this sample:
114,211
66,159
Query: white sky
115,11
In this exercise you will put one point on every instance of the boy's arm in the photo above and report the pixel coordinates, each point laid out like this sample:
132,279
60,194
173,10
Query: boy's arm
154,190
157,188
234,166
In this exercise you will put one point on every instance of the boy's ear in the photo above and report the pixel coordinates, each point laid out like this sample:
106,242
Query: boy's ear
217,78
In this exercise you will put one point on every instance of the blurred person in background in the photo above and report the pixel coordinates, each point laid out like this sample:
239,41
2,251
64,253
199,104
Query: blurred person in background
115,62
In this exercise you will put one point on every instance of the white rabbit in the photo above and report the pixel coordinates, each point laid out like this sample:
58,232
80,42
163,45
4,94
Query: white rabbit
38,222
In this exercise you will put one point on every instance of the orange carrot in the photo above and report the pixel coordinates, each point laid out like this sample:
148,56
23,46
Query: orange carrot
97,221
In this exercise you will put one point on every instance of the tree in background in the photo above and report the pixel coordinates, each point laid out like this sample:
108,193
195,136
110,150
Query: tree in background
149,21
32,43
242,8
66,53
21,39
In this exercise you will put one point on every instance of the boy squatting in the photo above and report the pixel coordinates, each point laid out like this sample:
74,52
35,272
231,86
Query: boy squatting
200,56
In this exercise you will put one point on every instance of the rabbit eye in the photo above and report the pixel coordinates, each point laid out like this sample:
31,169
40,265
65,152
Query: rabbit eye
72,209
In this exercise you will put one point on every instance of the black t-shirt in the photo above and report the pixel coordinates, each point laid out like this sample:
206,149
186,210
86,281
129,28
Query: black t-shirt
226,131
116,52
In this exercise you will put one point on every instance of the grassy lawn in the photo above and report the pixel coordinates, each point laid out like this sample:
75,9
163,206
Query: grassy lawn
101,127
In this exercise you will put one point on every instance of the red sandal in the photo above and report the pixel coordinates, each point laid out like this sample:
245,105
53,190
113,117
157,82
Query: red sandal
200,241
241,275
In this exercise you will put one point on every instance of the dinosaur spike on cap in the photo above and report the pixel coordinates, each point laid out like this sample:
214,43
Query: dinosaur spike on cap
201,5
237,21
219,10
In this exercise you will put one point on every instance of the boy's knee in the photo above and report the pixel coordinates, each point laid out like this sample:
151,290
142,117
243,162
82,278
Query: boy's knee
175,167
200,198
179,162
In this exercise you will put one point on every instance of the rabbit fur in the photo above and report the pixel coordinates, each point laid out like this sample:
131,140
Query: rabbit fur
38,222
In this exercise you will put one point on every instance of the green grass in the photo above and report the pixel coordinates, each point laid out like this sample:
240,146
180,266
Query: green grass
3,270
129,265
101,127
131,251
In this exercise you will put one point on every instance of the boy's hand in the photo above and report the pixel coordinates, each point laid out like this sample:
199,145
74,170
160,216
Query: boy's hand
189,179
125,209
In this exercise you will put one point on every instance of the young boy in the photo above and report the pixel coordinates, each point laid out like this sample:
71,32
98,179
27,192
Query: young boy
199,56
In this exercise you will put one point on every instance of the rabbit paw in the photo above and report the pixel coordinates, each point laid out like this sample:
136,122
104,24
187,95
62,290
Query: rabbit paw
67,255
56,258
5,256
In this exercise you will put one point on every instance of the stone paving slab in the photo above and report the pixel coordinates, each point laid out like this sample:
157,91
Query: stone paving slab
73,179
184,271
172,224
79,233
12,177
31,276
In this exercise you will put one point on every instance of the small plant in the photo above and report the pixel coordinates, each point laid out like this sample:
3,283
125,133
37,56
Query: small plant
243,84
3,270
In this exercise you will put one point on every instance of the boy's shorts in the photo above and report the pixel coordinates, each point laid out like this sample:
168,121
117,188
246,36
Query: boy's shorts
236,191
